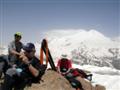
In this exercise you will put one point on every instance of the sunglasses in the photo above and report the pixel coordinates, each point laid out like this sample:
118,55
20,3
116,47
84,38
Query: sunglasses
30,51
17,35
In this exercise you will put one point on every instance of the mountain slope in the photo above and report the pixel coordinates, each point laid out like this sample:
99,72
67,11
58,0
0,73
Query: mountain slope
85,47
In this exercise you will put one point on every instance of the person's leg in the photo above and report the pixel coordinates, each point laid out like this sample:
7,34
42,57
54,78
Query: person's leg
20,86
76,84
3,65
8,83
9,79
20,83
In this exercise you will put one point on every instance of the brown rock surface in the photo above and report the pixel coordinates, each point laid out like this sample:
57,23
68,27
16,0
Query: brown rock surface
52,81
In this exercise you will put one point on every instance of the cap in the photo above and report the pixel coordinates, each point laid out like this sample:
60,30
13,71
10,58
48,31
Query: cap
64,56
28,47
18,34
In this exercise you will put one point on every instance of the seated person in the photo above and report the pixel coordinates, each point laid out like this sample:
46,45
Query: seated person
64,67
30,71
14,49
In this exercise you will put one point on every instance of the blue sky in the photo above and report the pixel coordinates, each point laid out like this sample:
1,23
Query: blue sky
33,17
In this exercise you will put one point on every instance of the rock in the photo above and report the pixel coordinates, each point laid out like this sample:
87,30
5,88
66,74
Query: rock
52,81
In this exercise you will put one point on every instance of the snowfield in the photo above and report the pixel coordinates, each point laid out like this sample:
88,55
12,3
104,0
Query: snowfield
106,76
85,47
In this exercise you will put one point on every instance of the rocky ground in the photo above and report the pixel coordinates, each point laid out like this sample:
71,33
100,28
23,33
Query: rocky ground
52,81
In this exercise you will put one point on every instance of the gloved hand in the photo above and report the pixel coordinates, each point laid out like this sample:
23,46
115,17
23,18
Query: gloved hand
42,69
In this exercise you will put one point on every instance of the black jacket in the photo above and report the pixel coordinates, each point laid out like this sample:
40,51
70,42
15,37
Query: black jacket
26,74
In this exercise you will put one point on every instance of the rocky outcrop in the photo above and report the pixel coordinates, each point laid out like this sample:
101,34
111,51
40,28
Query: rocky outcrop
54,81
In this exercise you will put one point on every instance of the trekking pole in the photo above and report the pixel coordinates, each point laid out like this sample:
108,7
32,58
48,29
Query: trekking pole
91,84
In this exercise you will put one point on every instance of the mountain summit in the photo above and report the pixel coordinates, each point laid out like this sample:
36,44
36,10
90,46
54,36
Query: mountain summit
85,47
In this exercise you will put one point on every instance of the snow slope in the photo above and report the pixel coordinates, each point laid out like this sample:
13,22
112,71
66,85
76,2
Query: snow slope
108,77
72,39
85,47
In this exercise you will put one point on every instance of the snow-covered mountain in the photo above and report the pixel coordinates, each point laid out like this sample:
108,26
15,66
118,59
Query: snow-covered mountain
85,47
3,50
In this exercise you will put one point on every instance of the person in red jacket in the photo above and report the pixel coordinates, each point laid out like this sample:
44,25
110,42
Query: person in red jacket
64,67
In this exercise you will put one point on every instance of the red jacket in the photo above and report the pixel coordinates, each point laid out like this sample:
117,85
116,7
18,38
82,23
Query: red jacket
64,63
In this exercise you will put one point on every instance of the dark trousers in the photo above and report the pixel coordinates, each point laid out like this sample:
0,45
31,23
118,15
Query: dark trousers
13,83
75,83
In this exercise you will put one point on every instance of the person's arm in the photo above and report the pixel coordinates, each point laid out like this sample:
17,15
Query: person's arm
12,49
32,69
